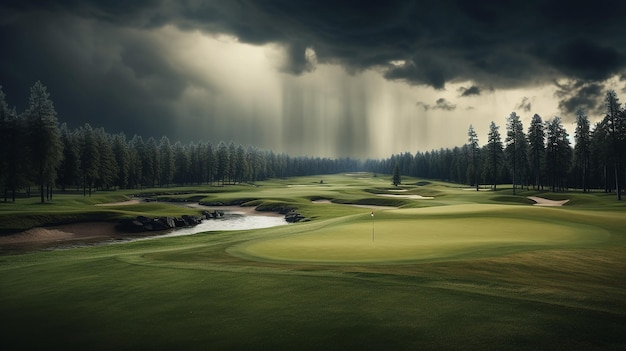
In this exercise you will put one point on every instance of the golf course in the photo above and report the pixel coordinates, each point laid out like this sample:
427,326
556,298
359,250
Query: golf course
426,265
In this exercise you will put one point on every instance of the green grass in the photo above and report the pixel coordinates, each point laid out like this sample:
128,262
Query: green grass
466,270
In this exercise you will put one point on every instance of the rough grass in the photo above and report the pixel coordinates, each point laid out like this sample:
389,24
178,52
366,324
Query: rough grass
499,274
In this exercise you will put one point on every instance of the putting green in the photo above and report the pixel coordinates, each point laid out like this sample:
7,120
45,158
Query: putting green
402,240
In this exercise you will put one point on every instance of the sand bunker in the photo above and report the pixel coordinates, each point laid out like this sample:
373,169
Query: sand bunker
373,207
410,197
540,201
121,203
62,233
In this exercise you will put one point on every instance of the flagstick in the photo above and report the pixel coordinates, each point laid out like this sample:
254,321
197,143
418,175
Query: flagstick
372,226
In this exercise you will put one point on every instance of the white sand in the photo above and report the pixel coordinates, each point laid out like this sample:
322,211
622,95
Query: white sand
121,203
411,197
373,207
540,201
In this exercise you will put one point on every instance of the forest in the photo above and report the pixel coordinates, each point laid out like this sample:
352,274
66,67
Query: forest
37,151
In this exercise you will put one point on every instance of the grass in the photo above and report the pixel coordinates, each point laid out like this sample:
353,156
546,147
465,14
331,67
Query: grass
465,270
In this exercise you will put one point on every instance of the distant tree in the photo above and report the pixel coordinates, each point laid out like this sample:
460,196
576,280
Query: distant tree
13,149
494,154
232,149
536,144
44,137
167,162
240,164
69,170
616,123
558,152
89,158
516,148
182,164
152,153
396,175
222,162
5,120
211,161
582,148
122,159
474,154
107,165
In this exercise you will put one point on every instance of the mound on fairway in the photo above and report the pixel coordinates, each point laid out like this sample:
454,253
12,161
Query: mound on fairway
400,239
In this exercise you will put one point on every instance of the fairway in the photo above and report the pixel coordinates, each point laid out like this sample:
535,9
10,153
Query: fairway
463,270
402,239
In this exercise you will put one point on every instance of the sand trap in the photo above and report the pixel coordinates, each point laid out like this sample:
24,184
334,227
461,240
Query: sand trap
66,232
410,197
474,189
121,203
540,201
397,190
373,207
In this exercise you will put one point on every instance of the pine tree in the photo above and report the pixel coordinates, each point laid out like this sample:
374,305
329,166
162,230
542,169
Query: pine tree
616,122
166,162
494,153
396,175
582,149
558,152
89,158
44,137
474,155
516,148
536,143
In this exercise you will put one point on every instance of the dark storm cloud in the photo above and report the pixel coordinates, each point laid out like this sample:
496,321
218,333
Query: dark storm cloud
440,104
524,105
473,90
580,95
98,59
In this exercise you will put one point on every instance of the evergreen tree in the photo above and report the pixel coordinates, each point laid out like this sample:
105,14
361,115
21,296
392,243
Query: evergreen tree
494,154
211,161
396,175
582,148
122,159
240,164
69,170
616,122
166,162
182,164
44,137
13,149
536,143
516,148
89,158
474,155
222,162
107,165
558,152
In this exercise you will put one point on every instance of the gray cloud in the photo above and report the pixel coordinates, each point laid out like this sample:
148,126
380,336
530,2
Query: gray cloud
580,95
473,90
440,41
524,105
101,60
440,104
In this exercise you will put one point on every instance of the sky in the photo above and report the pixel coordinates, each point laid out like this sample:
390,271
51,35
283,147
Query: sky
363,79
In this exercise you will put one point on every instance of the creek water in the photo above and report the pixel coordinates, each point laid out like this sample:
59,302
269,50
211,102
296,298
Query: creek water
234,218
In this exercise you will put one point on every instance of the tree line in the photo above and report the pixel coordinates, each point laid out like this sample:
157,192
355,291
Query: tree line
540,157
37,151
